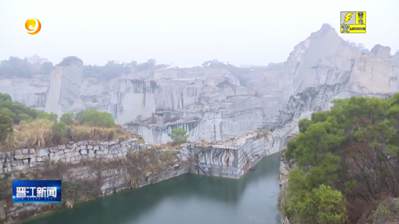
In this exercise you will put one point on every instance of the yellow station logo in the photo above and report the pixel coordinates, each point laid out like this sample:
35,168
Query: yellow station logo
33,26
353,22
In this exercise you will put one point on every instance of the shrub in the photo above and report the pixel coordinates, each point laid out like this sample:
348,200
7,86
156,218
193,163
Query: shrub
321,205
329,205
178,135
95,118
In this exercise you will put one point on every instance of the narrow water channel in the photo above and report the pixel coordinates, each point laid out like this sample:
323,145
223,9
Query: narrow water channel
188,199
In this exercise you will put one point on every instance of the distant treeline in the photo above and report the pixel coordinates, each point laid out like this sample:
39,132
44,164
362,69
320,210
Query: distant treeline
25,68
16,67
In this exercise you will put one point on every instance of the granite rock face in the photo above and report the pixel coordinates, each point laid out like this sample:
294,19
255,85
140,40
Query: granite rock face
216,101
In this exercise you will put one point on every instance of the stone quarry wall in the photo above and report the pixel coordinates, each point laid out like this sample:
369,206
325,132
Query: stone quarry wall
232,158
73,153
91,169
88,169
215,161
215,101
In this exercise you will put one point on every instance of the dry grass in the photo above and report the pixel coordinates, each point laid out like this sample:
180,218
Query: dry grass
84,132
38,133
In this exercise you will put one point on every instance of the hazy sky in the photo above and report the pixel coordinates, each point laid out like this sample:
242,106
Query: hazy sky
183,32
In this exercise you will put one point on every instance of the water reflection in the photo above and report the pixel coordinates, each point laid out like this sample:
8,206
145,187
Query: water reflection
186,199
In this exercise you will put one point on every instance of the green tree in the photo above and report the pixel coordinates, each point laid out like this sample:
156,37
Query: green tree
178,135
349,153
5,126
20,112
5,98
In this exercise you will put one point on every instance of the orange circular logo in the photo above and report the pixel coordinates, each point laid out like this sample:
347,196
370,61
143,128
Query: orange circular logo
33,26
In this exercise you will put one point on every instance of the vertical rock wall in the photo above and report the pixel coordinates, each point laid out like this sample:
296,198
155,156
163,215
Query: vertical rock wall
232,158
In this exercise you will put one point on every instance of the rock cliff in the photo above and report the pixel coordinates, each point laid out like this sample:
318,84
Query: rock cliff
215,101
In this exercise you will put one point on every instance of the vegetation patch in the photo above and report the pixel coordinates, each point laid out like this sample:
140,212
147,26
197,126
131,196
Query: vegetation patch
178,135
23,127
344,161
